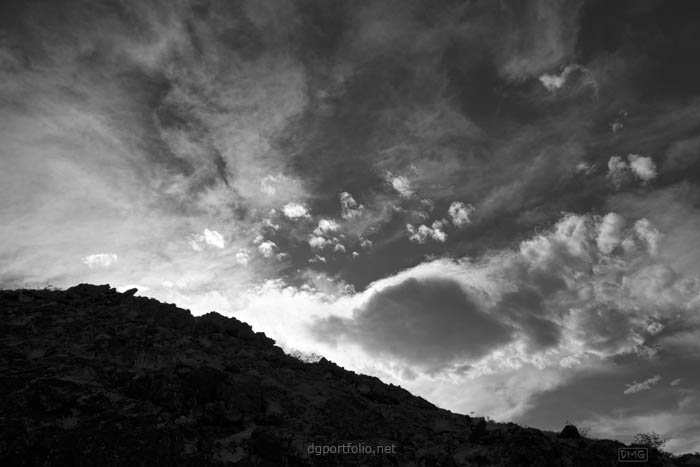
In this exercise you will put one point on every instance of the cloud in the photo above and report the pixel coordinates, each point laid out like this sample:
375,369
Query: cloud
326,226
643,386
619,171
242,257
554,82
270,184
428,323
317,242
676,382
422,233
401,184
295,210
643,167
350,208
101,260
213,238
610,232
654,328
267,249
649,234
209,238
460,213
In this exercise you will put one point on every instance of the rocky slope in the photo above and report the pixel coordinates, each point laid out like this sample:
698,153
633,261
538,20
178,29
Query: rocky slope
89,376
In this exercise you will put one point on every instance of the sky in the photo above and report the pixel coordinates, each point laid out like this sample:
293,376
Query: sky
493,204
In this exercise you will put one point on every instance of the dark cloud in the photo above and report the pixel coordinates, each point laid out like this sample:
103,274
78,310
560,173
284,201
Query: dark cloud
526,308
427,323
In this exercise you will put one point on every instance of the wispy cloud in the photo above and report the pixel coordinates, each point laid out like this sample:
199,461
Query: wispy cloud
643,386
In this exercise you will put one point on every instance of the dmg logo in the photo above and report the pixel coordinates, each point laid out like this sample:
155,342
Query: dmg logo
632,454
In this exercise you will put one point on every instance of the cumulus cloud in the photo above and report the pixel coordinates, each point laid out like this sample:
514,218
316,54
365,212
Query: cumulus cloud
295,210
101,260
423,233
438,234
267,248
209,238
401,184
610,232
326,226
460,213
242,257
640,167
349,208
643,167
213,238
643,386
317,242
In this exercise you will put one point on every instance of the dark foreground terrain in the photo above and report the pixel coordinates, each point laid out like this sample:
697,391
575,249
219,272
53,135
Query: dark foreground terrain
92,377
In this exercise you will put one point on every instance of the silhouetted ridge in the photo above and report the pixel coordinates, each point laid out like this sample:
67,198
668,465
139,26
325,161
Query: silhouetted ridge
90,376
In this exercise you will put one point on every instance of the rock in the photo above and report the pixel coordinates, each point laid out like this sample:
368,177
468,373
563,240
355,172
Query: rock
569,432
130,292
478,431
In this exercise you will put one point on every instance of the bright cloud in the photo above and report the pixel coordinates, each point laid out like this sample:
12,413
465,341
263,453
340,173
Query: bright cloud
267,249
460,213
401,184
295,210
209,238
555,82
610,232
242,257
423,233
101,260
643,167
326,226
317,242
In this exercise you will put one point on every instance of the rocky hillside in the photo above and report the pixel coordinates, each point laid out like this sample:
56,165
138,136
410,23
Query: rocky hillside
90,376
